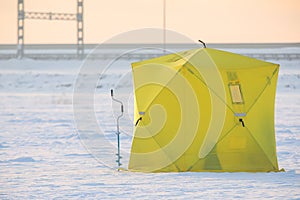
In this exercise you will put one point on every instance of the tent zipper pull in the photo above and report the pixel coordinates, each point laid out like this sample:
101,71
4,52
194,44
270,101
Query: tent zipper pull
241,120
136,123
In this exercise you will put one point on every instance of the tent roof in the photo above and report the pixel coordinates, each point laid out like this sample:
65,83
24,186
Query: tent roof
221,59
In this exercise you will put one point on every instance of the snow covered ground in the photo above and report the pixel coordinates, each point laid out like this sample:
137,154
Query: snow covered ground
42,156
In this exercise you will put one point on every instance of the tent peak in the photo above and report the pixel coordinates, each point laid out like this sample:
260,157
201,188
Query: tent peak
202,43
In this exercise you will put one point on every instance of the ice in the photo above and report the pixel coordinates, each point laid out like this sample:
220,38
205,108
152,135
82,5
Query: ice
21,159
43,157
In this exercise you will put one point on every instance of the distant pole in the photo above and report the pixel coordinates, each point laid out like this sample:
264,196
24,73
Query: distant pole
80,43
20,39
164,26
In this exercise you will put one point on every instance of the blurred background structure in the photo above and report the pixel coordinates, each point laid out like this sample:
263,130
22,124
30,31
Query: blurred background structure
55,30
22,15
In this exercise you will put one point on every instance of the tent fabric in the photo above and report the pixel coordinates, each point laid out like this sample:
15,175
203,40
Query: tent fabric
204,110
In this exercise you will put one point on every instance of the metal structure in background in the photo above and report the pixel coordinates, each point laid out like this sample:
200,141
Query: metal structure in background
118,129
80,44
22,15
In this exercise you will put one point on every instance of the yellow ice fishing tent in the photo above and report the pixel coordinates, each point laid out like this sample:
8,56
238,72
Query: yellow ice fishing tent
204,110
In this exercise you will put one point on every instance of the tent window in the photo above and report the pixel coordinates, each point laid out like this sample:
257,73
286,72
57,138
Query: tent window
236,93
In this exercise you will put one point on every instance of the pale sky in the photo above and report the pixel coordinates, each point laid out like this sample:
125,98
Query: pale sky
214,21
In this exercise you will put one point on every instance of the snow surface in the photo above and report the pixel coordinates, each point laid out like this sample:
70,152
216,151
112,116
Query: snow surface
43,155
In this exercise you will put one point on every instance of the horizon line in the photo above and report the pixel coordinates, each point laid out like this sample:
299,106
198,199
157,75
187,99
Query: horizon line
120,45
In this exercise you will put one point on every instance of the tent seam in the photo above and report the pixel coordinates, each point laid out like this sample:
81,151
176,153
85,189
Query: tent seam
163,150
261,93
260,147
191,167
